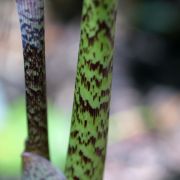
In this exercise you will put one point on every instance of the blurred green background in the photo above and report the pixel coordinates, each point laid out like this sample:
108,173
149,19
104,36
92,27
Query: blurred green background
13,133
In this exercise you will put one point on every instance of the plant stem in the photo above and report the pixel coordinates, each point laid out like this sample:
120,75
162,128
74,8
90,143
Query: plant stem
89,127
31,15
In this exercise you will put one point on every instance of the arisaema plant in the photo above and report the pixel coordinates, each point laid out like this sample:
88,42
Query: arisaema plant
89,126
31,17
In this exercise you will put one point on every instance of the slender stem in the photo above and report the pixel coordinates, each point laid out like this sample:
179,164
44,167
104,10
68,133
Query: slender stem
89,128
31,15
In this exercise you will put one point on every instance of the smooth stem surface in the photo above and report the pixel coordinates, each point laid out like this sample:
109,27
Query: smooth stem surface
31,15
89,128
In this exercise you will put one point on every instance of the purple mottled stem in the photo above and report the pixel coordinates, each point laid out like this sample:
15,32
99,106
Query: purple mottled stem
31,17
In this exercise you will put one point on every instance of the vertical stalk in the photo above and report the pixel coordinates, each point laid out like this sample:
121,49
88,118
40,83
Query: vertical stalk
89,127
31,16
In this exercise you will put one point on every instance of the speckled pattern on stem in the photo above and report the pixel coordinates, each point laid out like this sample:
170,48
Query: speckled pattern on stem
31,15
89,128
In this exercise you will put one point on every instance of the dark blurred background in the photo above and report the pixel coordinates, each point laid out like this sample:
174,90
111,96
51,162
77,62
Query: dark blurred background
144,120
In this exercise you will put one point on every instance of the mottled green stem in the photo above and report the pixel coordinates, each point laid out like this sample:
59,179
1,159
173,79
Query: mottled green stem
89,128
31,15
